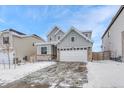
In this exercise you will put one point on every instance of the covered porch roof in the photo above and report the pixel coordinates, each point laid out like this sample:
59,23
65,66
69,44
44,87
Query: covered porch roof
46,43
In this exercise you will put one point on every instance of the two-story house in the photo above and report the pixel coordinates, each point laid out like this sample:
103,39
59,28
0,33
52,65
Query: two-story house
72,46
113,38
17,45
55,35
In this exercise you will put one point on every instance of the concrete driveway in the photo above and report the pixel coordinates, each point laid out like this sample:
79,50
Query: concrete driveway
60,75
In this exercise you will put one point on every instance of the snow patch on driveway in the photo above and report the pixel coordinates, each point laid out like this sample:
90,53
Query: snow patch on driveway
10,75
105,74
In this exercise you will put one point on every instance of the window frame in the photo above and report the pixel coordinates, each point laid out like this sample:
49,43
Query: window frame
43,51
33,43
108,34
73,39
58,37
6,40
86,35
50,39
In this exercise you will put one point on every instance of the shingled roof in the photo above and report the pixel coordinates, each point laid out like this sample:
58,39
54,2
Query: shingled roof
13,30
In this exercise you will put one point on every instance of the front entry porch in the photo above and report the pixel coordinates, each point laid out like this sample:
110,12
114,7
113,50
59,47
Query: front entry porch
46,51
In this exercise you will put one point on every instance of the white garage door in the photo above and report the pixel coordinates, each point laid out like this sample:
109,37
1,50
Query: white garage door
73,56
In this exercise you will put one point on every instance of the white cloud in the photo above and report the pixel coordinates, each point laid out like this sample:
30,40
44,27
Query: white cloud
84,18
2,20
94,18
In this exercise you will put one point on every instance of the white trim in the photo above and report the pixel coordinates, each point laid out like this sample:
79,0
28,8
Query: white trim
46,43
74,29
52,30
74,38
58,31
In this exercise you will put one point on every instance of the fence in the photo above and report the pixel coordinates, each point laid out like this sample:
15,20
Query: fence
101,55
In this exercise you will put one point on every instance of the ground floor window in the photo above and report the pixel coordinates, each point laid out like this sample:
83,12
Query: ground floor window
43,50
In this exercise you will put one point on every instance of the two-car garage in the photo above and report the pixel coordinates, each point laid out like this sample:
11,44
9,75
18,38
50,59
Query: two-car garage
74,47
73,55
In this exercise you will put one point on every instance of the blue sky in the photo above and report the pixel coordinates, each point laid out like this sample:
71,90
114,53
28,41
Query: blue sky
41,19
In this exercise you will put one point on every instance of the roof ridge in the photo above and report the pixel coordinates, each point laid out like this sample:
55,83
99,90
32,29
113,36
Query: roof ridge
52,29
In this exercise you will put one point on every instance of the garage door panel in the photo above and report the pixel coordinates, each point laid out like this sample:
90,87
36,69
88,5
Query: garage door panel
73,56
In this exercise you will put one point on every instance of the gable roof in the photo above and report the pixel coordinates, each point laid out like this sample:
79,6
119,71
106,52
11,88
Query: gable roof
114,19
77,31
55,28
59,31
38,37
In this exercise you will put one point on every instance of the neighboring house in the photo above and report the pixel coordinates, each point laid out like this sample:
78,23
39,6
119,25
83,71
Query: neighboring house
74,46
19,45
113,38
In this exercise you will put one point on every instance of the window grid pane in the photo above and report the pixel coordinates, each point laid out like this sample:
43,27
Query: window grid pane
43,50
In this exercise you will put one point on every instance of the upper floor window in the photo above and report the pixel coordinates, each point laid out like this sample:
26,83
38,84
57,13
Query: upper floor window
33,44
43,50
50,39
108,34
86,35
58,37
5,40
72,39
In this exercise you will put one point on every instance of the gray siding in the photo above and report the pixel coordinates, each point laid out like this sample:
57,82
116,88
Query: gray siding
60,33
79,42
87,34
52,34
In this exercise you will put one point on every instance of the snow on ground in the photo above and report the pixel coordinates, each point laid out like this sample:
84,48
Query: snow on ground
9,75
105,74
60,75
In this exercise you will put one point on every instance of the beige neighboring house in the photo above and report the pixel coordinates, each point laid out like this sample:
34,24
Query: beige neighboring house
21,46
113,38
72,46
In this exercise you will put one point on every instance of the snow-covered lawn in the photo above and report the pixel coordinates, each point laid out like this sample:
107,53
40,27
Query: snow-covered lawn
10,75
105,74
